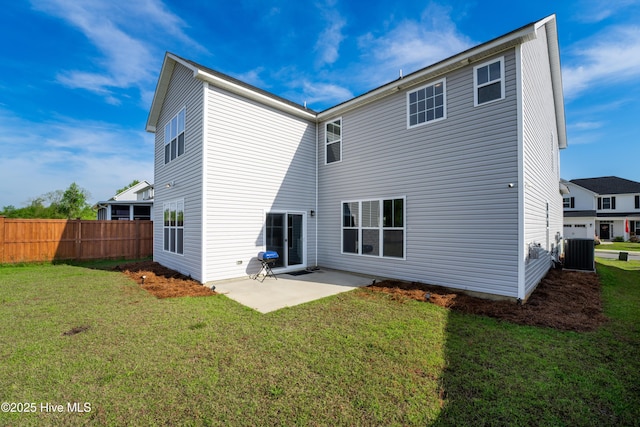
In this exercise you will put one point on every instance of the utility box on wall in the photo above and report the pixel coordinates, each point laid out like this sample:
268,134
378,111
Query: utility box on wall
579,254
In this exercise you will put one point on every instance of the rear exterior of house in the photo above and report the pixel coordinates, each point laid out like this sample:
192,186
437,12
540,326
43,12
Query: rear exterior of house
447,176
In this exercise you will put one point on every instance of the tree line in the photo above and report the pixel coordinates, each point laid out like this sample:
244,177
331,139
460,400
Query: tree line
60,204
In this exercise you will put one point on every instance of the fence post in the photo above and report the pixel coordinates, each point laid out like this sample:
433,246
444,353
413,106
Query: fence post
137,238
1,239
78,221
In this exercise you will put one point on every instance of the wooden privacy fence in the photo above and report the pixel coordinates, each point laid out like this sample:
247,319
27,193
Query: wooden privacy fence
28,240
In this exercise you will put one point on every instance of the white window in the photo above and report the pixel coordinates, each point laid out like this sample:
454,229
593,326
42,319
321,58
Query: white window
174,227
569,202
606,202
333,141
174,137
488,82
427,104
374,227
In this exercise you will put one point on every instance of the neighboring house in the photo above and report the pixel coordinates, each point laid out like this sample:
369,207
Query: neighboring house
449,175
135,202
606,207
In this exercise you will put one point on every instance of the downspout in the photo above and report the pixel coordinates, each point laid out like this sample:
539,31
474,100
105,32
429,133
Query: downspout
521,183
316,203
203,231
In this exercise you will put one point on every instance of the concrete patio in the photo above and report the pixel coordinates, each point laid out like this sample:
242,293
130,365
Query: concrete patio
289,290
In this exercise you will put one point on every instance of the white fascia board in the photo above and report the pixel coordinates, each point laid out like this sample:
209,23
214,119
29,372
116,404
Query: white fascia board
550,27
160,92
256,96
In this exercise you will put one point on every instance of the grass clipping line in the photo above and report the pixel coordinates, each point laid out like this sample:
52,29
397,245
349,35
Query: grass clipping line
565,300
162,281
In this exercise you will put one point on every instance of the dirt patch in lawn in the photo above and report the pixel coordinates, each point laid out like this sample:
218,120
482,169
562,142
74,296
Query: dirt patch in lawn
566,300
162,281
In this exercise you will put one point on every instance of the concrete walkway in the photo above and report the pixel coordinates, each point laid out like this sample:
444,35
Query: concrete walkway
288,290
607,253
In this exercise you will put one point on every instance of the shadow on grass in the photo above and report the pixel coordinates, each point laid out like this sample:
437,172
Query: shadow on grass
499,373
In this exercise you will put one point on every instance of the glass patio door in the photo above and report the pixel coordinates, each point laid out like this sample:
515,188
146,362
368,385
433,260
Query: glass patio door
285,235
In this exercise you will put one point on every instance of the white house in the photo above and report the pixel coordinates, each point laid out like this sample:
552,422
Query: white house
605,207
449,175
135,202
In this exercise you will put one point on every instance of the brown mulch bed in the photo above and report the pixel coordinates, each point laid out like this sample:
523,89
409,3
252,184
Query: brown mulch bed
162,281
565,300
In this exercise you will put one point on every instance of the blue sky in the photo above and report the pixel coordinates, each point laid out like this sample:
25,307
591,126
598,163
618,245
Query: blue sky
77,77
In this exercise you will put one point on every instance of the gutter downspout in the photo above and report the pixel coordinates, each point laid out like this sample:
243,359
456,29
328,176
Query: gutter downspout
521,177
316,204
203,231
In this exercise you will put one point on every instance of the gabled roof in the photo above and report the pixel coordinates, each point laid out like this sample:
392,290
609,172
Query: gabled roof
129,194
477,53
608,185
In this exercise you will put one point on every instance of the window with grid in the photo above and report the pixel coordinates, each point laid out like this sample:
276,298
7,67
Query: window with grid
174,137
488,82
427,104
174,227
374,227
333,141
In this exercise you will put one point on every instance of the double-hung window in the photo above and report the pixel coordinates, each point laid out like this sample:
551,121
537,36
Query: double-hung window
374,227
174,137
606,202
173,227
427,104
333,141
488,82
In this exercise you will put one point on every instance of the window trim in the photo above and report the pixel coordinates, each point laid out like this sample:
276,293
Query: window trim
476,86
339,141
381,227
176,227
444,103
168,140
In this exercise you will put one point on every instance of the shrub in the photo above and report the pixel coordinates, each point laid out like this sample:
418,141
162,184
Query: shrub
618,239
634,239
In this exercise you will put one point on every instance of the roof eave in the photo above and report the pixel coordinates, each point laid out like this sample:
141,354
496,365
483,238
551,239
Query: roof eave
553,48
460,60
254,95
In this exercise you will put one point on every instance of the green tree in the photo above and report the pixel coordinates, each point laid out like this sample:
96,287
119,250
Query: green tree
73,201
58,204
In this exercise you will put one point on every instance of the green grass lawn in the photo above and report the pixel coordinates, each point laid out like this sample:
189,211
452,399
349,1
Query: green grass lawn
620,246
358,358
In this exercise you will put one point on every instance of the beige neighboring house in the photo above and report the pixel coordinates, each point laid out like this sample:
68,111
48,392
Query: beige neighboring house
135,202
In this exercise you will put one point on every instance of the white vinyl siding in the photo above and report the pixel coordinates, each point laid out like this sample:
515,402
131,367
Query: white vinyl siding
543,203
185,172
254,167
461,216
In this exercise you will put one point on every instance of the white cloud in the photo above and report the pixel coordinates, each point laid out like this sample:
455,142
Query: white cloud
324,93
594,11
412,45
329,40
610,57
580,126
99,157
124,33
